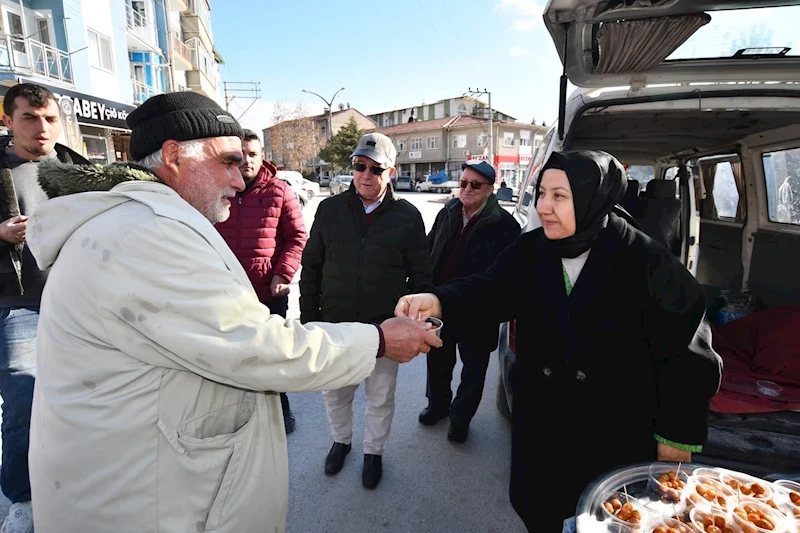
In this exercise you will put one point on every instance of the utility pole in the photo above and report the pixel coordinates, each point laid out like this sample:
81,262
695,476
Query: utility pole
243,90
478,92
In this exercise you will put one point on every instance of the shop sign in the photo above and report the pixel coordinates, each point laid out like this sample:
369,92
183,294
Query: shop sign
93,111
478,158
416,154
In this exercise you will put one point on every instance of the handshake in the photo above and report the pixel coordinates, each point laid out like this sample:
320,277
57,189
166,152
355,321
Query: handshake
409,334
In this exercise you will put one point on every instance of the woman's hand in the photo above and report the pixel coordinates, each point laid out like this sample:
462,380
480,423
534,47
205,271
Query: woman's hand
668,453
419,306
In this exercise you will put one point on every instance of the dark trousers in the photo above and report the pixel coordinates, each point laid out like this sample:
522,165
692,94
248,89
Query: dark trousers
441,362
279,306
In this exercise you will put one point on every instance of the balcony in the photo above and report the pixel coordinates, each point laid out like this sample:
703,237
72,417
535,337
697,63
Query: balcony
181,52
178,5
141,30
196,22
142,91
33,58
203,75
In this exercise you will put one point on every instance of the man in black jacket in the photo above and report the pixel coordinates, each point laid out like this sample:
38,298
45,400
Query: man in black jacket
366,249
31,114
468,235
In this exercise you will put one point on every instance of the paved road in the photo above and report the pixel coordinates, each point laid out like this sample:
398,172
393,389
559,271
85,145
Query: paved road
429,484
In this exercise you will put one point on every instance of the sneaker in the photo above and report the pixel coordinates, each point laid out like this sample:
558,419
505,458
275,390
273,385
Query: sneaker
19,519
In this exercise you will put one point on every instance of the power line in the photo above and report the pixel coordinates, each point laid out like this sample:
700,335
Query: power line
434,30
450,20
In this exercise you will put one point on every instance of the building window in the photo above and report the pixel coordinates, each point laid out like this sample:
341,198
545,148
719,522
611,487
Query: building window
524,138
43,31
401,145
508,138
483,139
433,143
459,141
100,51
416,143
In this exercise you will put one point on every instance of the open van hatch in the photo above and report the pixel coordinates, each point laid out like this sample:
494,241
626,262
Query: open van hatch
606,43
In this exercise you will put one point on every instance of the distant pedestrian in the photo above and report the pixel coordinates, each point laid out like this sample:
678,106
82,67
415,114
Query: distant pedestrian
267,233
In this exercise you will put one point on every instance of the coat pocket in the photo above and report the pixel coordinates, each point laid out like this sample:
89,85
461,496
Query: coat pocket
209,465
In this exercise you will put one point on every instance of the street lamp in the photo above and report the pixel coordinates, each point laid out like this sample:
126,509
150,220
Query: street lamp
330,108
330,115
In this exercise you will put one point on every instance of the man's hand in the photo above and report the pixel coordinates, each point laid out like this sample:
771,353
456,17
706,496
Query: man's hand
13,230
419,306
668,453
279,286
406,338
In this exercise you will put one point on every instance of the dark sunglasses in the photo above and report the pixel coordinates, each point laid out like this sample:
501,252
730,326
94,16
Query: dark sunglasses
474,185
375,171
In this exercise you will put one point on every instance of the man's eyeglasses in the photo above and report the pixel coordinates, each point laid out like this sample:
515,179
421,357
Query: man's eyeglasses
474,185
375,171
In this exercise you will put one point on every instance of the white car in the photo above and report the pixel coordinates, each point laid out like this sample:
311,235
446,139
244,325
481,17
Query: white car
339,184
309,188
298,192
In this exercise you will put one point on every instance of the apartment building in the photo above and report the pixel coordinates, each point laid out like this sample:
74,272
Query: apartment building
105,57
449,107
430,146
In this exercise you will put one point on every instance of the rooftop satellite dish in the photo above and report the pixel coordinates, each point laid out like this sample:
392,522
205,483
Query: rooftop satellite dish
341,107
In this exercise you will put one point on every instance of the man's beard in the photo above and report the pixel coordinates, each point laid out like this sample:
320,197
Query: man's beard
37,149
207,200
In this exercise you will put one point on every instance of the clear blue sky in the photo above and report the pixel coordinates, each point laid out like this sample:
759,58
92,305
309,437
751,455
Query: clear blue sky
388,53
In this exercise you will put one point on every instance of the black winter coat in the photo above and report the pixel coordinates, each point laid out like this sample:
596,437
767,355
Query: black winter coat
495,230
627,355
356,272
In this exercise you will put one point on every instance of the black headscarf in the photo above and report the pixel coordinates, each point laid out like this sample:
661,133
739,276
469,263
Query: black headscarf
598,183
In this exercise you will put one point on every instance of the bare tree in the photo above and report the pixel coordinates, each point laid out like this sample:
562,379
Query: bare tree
294,138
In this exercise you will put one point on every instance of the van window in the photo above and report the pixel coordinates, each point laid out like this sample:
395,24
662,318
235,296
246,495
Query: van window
726,195
642,174
526,193
782,172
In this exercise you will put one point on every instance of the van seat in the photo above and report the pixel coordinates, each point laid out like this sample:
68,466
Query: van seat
630,200
659,214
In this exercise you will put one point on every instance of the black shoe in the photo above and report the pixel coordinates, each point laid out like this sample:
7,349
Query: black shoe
335,459
373,469
288,417
457,432
429,416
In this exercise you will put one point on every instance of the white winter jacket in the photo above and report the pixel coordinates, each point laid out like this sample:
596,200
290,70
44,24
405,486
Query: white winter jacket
153,354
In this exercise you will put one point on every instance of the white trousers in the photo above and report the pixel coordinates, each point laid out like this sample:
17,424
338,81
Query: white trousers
380,386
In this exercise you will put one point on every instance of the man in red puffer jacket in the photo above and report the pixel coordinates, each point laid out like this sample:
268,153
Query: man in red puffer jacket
267,233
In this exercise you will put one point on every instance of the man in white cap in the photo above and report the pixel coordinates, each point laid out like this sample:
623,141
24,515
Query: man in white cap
366,249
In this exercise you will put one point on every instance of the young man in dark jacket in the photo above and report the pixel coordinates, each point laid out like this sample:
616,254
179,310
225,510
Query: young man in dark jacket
267,233
31,114
367,249
466,238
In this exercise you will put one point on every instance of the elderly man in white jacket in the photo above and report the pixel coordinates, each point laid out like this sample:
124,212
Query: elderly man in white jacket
154,351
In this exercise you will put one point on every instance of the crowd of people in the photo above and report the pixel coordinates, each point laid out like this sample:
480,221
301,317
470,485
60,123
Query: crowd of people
146,354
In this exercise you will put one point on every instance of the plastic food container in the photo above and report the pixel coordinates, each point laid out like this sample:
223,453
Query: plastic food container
769,388
710,473
708,493
437,325
748,488
787,494
755,517
667,481
623,510
703,519
668,525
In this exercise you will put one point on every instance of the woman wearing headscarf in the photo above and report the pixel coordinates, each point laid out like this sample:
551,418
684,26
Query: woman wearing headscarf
614,360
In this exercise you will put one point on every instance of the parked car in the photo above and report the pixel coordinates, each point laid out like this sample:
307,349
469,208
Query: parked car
340,184
436,183
298,192
309,188
325,181
724,129
402,183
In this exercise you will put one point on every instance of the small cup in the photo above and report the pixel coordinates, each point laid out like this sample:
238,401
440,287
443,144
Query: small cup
787,494
743,511
748,488
696,494
701,519
671,488
437,325
664,525
769,388
623,500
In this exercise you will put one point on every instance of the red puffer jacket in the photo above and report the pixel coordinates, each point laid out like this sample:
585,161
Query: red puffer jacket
266,230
